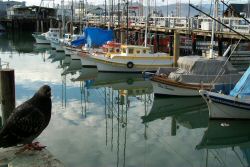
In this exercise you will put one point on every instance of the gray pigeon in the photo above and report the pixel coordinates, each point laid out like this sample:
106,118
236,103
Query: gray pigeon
27,120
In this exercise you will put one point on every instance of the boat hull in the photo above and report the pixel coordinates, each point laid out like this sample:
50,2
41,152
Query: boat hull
226,107
40,39
130,64
169,90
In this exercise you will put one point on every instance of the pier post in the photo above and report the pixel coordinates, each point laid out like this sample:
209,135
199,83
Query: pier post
41,25
37,26
171,45
193,43
50,23
220,46
176,47
7,92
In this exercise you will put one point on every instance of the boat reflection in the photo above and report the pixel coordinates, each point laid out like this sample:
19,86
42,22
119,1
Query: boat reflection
41,48
190,112
116,91
222,134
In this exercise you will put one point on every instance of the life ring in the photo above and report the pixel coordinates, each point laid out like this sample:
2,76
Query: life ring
130,64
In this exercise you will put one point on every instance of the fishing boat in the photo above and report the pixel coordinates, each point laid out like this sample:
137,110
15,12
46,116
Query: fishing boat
130,58
194,73
52,35
92,43
236,105
41,38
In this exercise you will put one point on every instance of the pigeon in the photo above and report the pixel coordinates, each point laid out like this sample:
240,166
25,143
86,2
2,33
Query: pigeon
28,120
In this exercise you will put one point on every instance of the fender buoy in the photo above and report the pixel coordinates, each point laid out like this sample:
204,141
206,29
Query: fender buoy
130,64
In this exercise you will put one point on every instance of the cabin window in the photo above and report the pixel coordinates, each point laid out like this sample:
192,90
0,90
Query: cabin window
144,51
130,51
137,51
117,50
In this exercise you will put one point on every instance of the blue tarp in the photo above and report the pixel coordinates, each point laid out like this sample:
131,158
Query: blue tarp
78,42
242,88
94,37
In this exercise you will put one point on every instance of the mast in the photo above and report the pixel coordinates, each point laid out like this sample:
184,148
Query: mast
212,35
146,28
63,21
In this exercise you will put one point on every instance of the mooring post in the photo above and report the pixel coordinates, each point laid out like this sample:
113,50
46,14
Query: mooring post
176,47
7,92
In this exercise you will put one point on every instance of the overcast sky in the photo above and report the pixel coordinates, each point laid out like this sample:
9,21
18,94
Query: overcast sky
159,2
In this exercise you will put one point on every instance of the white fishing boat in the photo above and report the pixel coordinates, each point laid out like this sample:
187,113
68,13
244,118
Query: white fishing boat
194,73
53,35
130,58
40,38
236,105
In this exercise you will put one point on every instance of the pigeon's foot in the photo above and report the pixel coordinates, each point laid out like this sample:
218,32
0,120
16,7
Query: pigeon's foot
33,146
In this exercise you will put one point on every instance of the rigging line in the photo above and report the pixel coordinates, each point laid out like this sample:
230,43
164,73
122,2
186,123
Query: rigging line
219,22
222,68
115,109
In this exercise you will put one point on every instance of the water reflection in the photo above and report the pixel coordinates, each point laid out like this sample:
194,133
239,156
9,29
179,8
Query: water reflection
227,134
21,42
107,119
190,112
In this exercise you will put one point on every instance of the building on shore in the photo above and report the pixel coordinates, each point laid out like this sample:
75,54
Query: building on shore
4,5
30,12
236,10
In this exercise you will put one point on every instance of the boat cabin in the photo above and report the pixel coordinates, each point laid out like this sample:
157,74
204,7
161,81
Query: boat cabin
128,50
112,47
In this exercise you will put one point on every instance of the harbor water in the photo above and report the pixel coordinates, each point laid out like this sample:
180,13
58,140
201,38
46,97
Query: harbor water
110,119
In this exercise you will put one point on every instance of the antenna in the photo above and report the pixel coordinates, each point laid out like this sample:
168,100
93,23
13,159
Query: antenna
178,8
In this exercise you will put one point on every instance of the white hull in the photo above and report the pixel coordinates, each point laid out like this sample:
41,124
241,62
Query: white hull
87,62
130,64
217,110
163,89
42,41
226,107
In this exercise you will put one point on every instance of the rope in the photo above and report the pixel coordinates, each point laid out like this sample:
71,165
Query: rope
222,68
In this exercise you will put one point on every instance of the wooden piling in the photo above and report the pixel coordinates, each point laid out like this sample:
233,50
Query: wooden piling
176,47
42,26
193,44
7,92
220,46
37,26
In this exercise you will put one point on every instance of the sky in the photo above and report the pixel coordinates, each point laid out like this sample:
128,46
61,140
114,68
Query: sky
159,2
